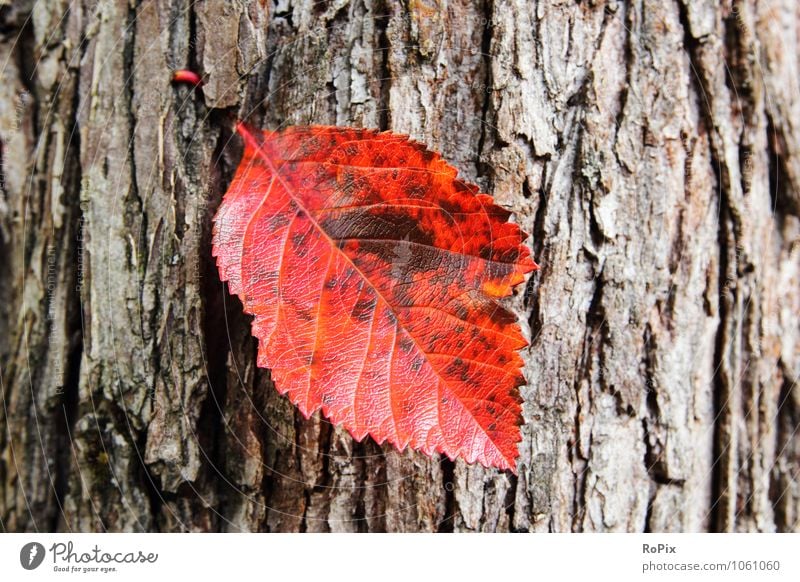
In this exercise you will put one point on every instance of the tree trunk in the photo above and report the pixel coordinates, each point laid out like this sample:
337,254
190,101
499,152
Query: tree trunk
651,148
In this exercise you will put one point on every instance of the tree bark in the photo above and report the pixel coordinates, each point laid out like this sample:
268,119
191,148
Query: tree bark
651,148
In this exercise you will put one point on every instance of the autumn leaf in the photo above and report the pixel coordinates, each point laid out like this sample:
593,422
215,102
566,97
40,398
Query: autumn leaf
373,274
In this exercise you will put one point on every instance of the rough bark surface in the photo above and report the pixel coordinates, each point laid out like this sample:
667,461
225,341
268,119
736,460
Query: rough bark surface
651,148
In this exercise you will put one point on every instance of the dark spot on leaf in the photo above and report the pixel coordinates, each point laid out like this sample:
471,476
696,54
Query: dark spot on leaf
415,190
298,239
432,342
450,207
278,221
362,310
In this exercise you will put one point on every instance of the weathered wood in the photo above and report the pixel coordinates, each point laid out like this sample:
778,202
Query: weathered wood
651,148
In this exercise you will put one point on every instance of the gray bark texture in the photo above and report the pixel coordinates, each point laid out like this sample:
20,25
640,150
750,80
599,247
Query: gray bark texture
651,148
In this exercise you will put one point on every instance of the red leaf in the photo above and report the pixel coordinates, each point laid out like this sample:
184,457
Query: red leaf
372,272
